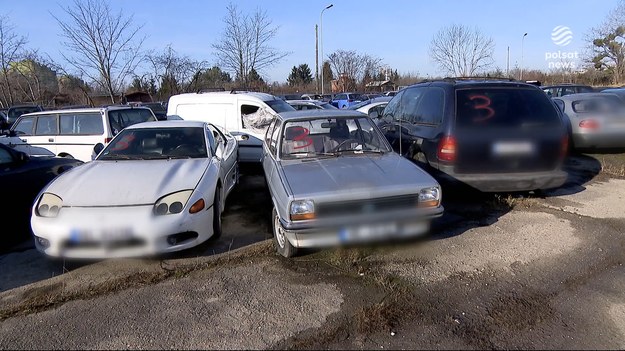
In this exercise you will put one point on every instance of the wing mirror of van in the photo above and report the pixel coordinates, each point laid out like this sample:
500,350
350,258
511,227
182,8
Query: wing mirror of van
374,114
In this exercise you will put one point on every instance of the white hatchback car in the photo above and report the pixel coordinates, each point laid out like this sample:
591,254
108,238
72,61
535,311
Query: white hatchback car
74,132
157,187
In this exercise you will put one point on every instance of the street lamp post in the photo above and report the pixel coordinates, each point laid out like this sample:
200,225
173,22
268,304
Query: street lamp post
522,40
321,42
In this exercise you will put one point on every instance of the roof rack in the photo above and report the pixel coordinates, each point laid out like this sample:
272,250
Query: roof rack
209,90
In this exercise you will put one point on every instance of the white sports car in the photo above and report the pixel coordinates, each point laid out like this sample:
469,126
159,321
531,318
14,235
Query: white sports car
157,187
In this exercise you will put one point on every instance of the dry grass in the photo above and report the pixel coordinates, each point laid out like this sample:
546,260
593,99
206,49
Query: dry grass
612,164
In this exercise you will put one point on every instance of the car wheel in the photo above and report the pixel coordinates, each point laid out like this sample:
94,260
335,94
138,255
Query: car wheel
217,225
280,241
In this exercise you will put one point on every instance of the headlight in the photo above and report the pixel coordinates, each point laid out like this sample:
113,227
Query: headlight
49,205
302,209
172,203
430,197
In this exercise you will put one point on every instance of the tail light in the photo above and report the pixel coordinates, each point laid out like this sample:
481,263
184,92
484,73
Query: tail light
447,149
107,140
589,124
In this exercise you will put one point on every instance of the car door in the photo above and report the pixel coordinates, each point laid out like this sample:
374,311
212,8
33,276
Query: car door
46,130
268,160
223,148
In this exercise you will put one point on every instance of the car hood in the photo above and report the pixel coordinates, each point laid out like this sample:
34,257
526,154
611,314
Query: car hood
358,176
115,183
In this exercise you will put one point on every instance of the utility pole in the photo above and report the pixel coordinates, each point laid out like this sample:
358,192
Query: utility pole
508,64
522,40
317,59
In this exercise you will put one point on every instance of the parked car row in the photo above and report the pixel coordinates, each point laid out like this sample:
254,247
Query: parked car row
335,176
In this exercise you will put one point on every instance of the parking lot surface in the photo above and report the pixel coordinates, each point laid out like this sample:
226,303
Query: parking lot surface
499,271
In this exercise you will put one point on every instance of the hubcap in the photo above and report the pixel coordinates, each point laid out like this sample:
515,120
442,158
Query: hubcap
278,232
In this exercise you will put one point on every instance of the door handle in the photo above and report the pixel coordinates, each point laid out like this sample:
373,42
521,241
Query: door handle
51,140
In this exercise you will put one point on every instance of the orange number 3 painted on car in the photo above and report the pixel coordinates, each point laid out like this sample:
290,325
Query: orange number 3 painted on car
303,137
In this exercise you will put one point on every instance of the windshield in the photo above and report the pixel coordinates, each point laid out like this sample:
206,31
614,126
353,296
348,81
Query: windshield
504,108
331,137
121,119
279,105
609,103
157,143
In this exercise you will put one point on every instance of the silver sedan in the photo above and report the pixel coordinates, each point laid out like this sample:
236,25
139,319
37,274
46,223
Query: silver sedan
597,120
334,179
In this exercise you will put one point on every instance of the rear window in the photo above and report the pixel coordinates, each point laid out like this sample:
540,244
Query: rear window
596,105
504,107
121,119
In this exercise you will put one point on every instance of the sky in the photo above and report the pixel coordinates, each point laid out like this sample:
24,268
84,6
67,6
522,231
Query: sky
399,31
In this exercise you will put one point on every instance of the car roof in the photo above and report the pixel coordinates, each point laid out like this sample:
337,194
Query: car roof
583,95
301,102
475,81
86,110
168,124
565,85
322,113
216,94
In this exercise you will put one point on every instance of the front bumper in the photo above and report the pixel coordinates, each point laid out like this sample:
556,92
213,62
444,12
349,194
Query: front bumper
109,232
374,228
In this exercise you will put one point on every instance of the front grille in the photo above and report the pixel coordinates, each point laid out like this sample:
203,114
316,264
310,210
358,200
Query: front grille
356,207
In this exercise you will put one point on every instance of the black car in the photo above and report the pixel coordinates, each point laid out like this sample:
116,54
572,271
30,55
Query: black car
22,177
494,135
16,111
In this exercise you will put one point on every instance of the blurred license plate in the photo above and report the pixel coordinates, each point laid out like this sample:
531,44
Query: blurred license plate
117,234
367,232
513,148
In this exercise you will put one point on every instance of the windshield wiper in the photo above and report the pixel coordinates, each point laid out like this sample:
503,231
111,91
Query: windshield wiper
119,157
362,151
330,154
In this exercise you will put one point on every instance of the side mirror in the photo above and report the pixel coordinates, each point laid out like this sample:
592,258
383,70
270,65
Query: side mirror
374,114
22,157
98,148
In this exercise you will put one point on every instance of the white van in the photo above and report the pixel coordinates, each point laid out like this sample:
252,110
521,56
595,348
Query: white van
74,132
245,115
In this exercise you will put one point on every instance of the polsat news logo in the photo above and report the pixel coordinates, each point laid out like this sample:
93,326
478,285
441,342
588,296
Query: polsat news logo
561,36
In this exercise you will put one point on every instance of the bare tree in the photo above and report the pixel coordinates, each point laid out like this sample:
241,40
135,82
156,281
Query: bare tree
352,67
461,51
101,45
11,50
173,73
245,43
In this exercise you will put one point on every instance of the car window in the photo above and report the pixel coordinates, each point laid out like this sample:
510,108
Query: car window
269,131
392,107
46,125
596,105
279,105
5,156
409,103
25,126
504,108
568,91
156,143
586,90
81,123
341,97
273,143
430,109
323,136
120,119
559,103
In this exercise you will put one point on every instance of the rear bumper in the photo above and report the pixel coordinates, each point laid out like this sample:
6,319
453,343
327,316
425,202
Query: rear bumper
504,182
588,141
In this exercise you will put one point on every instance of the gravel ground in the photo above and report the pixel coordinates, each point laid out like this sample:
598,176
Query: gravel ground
503,272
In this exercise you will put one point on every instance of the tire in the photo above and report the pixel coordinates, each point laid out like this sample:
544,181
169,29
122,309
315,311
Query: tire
280,241
217,225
